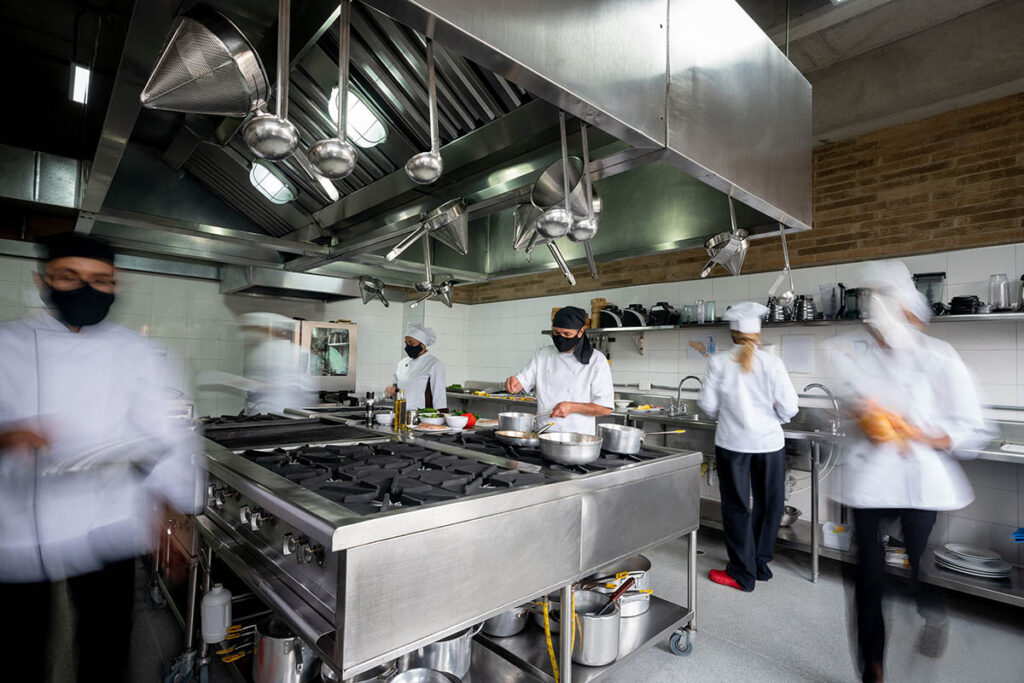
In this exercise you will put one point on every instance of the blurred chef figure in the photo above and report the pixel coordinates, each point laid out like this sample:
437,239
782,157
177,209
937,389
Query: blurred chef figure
915,406
572,378
88,459
752,395
275,367
420,374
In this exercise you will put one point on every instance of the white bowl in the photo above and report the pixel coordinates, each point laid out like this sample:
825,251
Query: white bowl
457,421
384,419
432,420
621,405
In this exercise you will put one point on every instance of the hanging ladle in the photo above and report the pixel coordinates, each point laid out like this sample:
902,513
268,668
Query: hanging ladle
788,296
557,221
335,158
426,167
428,284
272,136
585,229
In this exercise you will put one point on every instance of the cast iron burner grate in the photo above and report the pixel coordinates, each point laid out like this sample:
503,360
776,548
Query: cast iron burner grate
373,478
267,432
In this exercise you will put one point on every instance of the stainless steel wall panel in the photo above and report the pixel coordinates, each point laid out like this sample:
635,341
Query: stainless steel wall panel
452,575
739,113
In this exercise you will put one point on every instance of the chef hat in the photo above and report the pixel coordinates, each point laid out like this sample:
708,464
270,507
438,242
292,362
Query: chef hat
892,279
422,334
746,317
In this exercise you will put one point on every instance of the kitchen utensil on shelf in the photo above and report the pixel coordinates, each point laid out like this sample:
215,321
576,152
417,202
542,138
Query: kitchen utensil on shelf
426,167
611,316
999,292
597,640
372,288
335,157
280,656
636,566
931,285
804,308
855,300
626,440
727,248
789,515
777,313
556,220
570,448
614,598
831,298
273,136
964,305
451,655
663,313
507,623
208,67
635,315
787,296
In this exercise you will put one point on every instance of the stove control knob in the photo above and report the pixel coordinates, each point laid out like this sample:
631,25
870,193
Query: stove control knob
218,499
289,544
308,553
244,514
257,518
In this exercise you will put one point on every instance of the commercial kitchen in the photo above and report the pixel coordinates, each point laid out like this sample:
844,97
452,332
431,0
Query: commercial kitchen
351,232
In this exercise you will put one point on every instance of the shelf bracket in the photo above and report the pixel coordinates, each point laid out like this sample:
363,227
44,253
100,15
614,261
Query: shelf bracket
638,339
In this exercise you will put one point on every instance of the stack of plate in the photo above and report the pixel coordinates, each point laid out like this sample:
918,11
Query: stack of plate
973,561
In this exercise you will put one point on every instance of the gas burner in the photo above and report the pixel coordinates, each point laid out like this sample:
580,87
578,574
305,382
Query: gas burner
216,420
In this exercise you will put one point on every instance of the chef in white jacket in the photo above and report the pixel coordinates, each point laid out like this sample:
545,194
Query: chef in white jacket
752,395
572,378
916,410
421,374
88,459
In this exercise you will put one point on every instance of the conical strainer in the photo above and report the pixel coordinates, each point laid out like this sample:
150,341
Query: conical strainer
208,67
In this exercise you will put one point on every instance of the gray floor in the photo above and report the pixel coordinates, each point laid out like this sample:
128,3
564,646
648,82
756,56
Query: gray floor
788,630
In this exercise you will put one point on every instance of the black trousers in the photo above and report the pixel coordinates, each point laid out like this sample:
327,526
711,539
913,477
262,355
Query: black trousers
103,601
750,531
870,584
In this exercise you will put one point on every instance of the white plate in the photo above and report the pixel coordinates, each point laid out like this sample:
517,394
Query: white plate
445,430
971,572
972,552
1000,569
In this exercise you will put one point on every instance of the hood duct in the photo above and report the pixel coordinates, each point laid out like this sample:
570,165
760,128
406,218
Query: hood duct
280,283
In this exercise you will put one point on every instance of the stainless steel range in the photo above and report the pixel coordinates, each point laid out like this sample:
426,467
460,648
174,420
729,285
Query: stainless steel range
376,544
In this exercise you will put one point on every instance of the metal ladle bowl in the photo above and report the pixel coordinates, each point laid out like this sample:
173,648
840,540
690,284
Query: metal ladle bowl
583,230
554,223
425,168
270,137
333,158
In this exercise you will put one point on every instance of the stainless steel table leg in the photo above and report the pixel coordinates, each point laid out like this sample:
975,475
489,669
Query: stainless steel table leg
815,541
691,578
193,589
566,635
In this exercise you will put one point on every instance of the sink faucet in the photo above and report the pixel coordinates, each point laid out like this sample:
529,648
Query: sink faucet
679,408
834,423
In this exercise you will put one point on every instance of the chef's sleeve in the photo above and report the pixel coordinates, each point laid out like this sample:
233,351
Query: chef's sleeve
709,393
784,395
602,388
959,403
439,386
528,375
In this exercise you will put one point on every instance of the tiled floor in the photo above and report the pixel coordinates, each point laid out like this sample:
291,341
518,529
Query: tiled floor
787,630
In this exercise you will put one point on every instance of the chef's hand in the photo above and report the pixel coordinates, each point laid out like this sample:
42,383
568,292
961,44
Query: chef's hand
513,385
22,440
563,409
389,392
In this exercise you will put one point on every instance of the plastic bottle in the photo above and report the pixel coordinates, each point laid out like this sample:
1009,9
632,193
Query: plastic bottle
711,345
216,614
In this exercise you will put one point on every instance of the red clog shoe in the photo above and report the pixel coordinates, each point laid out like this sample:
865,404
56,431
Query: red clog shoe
722,577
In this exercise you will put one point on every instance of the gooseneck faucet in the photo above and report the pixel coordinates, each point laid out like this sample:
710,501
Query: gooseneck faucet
834,424
680,408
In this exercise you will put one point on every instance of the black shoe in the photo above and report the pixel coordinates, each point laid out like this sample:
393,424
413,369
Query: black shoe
764,574
933,639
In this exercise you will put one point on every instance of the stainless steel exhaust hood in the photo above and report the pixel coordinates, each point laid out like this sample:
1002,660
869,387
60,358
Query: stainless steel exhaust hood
279,283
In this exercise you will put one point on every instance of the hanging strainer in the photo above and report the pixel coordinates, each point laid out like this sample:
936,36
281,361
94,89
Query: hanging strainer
208,67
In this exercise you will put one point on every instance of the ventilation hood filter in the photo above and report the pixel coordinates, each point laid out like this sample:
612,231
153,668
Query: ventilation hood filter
208,67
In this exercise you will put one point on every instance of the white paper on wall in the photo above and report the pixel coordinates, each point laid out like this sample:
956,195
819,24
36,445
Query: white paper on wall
798,353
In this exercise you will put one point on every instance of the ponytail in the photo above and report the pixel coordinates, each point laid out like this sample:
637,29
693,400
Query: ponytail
748,343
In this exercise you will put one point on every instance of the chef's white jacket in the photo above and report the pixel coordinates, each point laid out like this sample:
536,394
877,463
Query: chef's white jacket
100,398
412,376
561,377
929,385
751,406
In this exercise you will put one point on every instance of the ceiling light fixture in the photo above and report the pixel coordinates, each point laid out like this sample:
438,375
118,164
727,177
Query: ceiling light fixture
270,182
361,125
80,83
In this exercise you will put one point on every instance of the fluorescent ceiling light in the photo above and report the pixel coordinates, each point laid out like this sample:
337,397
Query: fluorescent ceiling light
270,182
79,83
362,125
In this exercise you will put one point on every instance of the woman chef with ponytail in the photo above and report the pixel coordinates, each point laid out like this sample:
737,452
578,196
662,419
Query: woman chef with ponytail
750,391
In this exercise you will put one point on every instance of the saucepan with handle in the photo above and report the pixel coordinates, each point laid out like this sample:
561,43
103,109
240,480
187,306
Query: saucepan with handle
625,440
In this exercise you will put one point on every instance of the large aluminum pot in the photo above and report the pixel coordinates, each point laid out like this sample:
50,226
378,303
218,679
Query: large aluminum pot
637,567
422,675
597,641
570,448
453,654
631,603
553,613
507,623
279,656
621,439
516,422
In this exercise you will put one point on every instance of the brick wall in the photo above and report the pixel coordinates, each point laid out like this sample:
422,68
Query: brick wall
948,182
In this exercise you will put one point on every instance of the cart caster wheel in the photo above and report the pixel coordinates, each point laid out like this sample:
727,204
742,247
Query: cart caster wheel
681,643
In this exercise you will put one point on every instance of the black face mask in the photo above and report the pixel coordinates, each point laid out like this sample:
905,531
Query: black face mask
565,344
413,350
81,306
